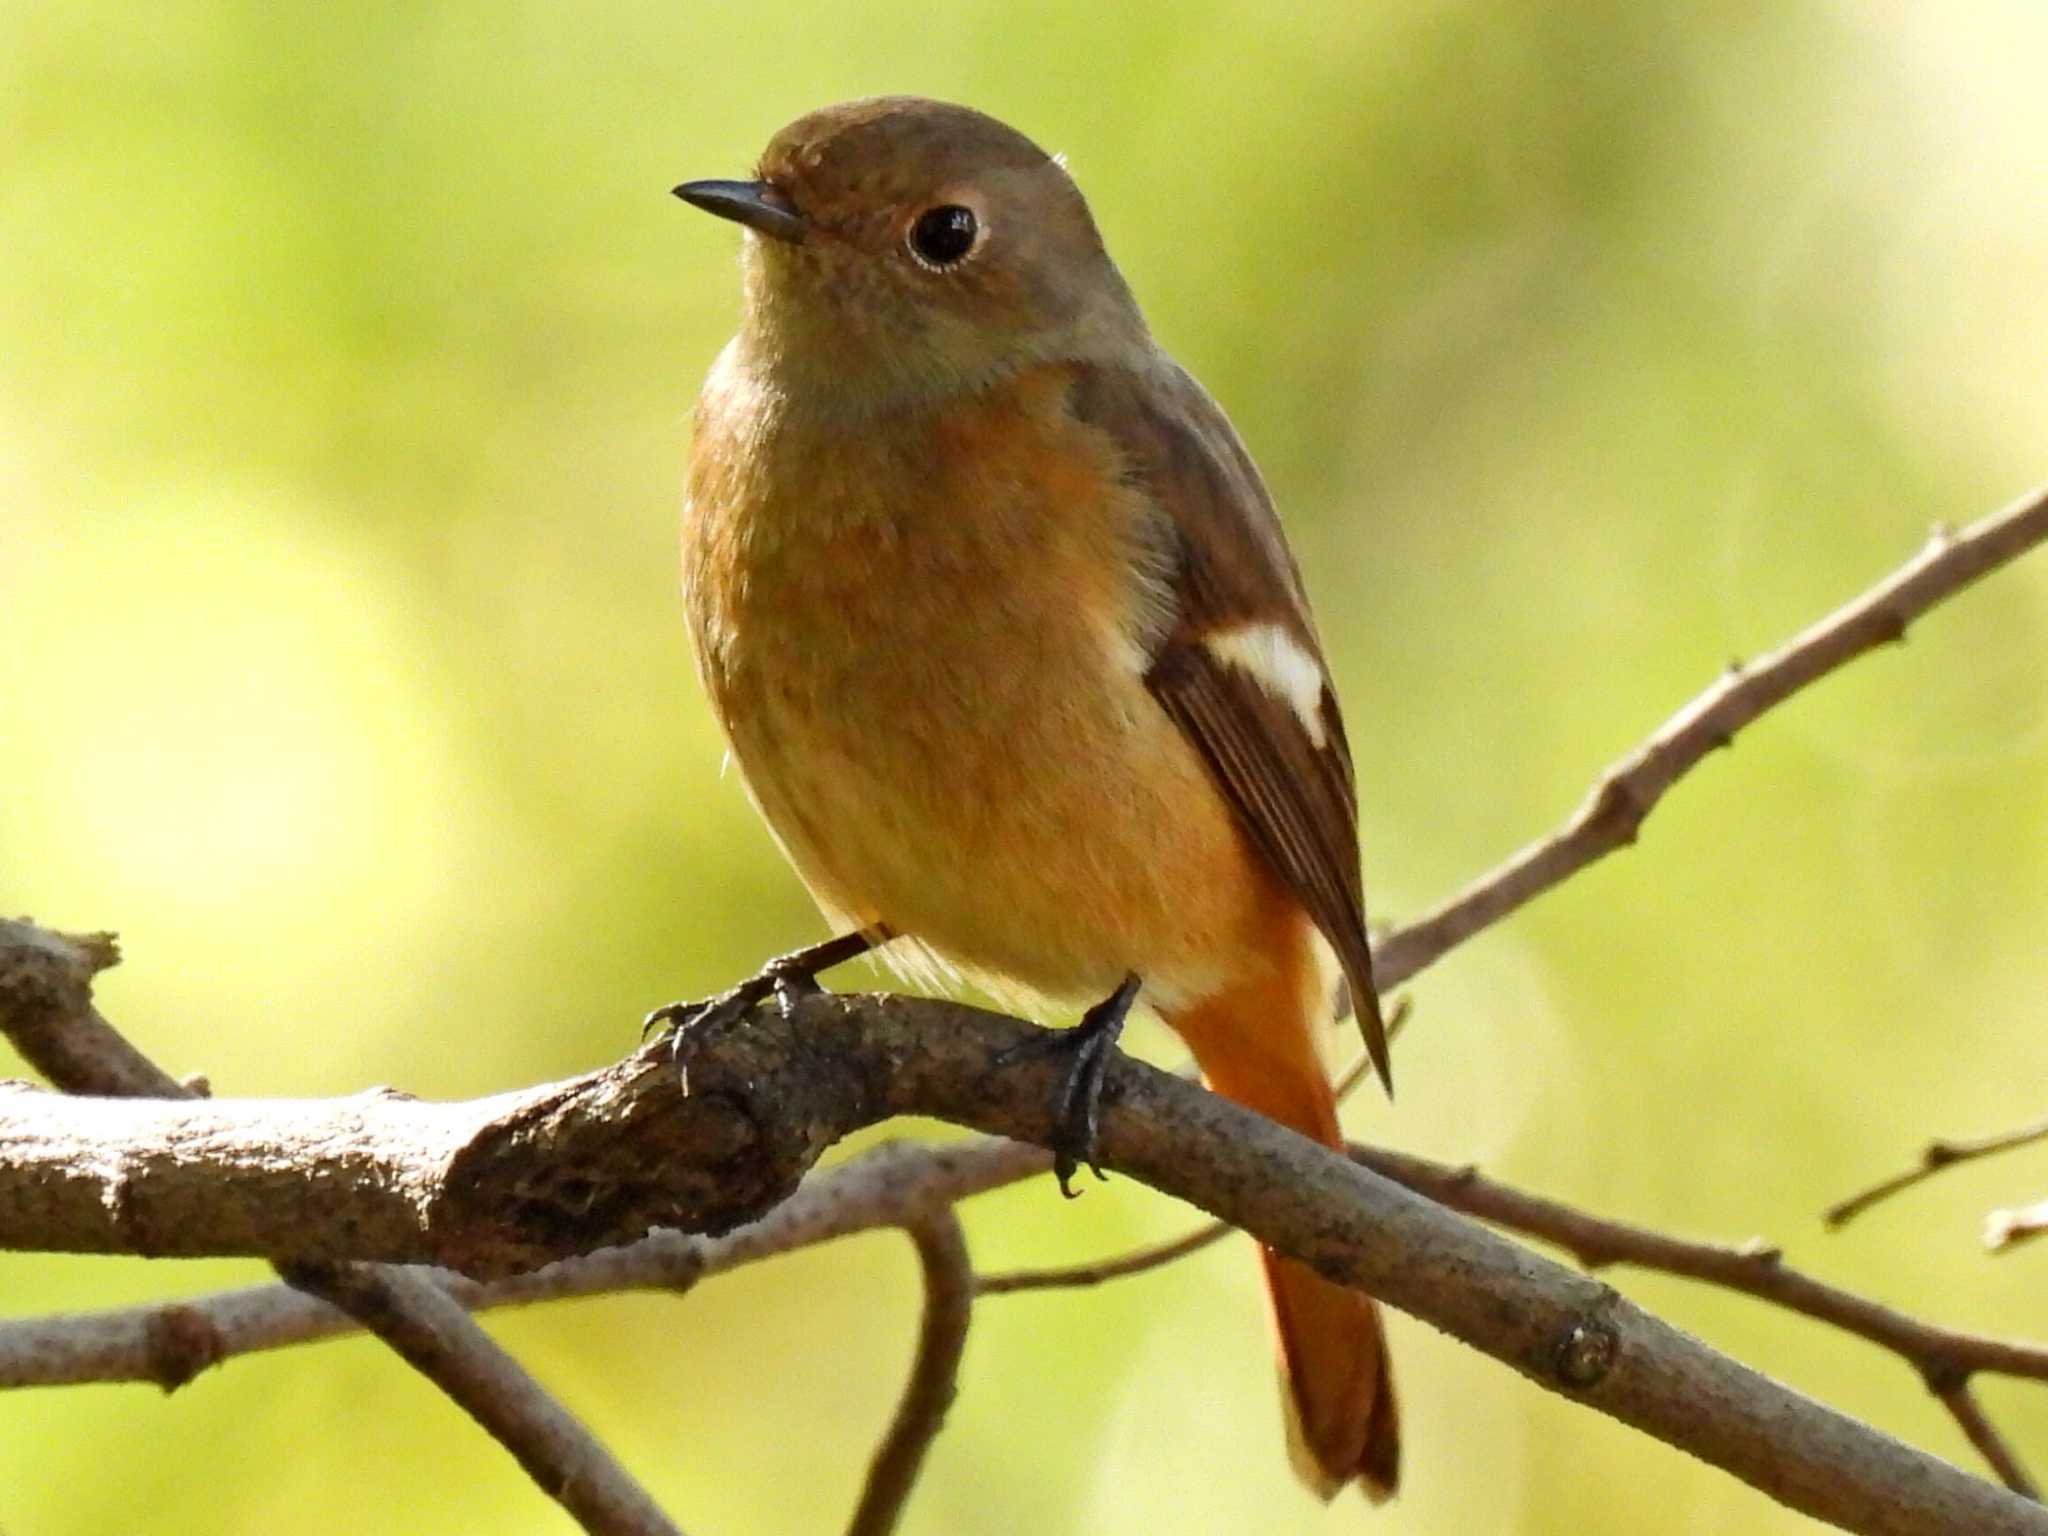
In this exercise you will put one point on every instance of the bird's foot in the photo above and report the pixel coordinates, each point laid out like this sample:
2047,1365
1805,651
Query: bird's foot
787,978
1091,1046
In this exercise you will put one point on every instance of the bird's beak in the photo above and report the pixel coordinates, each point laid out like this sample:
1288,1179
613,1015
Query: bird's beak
755,204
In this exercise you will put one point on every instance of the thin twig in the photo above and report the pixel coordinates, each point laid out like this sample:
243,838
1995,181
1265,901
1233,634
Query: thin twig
934,1374
1934,1157
1964,1408
2009,1228
46,1010
1613,813
1136,1262
1946,1358
437,1338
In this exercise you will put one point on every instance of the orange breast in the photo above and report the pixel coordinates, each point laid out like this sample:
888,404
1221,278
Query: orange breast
926,644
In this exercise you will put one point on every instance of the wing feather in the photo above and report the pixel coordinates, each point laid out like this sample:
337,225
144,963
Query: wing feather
1278,749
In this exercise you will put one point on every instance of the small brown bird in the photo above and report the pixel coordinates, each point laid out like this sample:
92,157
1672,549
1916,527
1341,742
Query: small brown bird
1010,648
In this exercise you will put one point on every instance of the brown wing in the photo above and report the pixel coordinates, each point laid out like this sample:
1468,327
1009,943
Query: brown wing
1279,752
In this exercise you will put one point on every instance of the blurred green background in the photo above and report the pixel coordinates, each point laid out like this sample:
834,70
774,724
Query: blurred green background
345,357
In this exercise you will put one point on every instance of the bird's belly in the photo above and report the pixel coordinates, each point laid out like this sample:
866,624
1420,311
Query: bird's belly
1001,787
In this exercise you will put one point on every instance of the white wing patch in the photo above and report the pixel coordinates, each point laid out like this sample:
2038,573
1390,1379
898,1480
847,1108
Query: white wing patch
1279,664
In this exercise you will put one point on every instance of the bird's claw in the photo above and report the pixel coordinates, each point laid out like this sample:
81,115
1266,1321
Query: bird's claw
675,1016
690,1024
787,978
1091,1047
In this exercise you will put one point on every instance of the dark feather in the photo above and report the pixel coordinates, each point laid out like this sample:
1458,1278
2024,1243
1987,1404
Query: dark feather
1231,567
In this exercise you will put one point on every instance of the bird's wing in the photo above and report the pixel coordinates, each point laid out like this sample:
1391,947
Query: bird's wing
1240,669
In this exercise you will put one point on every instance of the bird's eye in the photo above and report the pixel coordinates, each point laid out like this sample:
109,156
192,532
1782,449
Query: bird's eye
941,236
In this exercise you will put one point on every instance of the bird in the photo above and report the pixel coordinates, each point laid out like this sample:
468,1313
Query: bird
1010,650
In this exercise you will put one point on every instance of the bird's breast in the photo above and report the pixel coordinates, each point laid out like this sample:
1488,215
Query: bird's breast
945,576
927,645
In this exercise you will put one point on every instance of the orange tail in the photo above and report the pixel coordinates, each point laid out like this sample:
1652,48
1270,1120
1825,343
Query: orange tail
1257,1048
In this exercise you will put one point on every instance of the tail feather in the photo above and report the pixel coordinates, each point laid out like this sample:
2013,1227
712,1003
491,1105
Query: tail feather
1258,1049
1342,1424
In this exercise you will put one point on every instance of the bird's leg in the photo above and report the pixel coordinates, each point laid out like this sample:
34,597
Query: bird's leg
789,977
1091,1044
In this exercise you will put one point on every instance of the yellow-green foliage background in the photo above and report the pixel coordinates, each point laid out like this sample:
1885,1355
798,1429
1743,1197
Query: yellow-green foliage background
345,355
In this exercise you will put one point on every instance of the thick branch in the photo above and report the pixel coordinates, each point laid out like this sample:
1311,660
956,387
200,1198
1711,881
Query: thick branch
784,1086
169,1343
46,1009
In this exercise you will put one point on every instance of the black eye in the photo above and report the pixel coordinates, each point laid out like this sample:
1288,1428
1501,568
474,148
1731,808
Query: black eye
942,236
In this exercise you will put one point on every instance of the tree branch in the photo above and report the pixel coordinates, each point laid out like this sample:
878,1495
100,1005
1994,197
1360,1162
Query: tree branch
46,1009
934,1374
1615,811
441,1341
1137,1262
1946,1358
1934,1157
891,1185
1964,1408
786,1085
1939,1354
2008,1228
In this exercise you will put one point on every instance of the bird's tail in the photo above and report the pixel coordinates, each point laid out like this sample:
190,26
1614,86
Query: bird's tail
1258,1048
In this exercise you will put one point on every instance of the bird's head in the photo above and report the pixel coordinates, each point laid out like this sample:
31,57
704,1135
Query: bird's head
901,250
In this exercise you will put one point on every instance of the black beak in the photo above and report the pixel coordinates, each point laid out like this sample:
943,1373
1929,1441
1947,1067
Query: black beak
753,203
